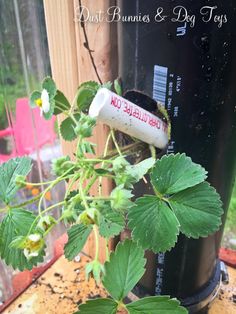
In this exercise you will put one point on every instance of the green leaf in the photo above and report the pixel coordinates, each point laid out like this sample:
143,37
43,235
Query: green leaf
102,172
8,172
90,85
174,173
154,225
98,306
17,223
140,169
124,270
77,236
86,93
67,128
154,305
111,223
61,103
94,269
130,174
117,87
50,87
198,210
34,96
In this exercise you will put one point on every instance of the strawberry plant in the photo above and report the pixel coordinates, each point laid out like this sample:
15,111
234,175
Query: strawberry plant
182,202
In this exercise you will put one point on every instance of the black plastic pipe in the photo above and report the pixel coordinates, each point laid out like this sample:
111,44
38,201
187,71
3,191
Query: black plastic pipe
188,62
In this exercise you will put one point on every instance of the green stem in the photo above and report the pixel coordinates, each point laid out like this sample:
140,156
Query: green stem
73,180
95,160
38,184
153,151
74,102
159,195
115,142
70,115
78,144
4,210
31,201
121,306
102,165
107,144
99,198
62,177
52,206
126,148
82,192
96,243
90,184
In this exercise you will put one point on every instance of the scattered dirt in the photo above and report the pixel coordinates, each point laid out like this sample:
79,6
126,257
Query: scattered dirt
225,302
59,290
62,288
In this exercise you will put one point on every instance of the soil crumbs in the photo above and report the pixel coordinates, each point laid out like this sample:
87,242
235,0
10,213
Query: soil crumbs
225,303
58,291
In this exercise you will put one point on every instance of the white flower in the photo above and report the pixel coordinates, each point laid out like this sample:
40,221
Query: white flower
29,254
45,101
34,237
33,245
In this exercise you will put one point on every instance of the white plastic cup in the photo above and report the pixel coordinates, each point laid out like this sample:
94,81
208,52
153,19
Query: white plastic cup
125,116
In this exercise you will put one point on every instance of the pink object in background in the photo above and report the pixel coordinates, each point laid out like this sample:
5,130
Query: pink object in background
27,136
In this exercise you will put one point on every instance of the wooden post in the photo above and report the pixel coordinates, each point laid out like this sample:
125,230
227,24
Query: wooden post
80,52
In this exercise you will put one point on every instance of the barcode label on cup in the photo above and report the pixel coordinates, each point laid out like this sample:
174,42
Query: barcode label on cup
160,83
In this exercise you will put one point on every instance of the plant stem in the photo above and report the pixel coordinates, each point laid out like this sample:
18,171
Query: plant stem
38,184
73,180
99,198
62,177
31,201
78,144
107,144
102,165
96,242
153,151
70,115
95,160
124,149
4,210
115,142
52,206
74,102
121,306
90,184
82,192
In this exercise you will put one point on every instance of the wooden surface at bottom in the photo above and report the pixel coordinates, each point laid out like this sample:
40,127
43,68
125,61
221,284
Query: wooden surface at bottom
225,303
63,287
58,291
